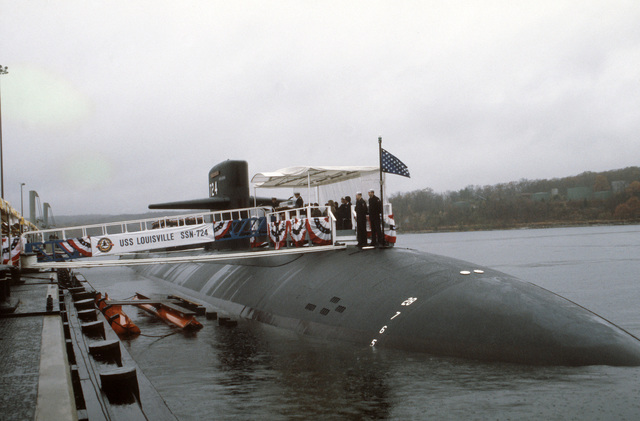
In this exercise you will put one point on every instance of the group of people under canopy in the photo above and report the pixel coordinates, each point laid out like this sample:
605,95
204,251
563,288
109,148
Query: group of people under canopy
341,212
309,177
343,215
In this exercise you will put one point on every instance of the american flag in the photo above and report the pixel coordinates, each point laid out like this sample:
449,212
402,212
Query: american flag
393,165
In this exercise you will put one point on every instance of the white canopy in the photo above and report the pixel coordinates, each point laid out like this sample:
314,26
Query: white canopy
310,176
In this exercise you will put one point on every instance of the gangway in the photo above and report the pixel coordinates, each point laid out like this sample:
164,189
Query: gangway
291,231
63,244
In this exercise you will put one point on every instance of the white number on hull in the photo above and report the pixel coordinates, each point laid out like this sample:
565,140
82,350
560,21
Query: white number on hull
405,303
409,301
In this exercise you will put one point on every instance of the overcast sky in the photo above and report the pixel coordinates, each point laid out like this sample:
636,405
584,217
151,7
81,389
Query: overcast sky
111,105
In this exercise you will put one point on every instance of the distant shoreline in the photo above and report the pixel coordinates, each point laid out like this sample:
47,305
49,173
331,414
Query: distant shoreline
533,225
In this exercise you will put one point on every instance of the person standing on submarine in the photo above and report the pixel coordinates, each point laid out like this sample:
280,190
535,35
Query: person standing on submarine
361,220
375,210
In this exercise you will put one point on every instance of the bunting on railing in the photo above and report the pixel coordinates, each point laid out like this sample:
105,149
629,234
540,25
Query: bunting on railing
389,229
64,245
221,228
14,254
76,245
319,230
278,232
390,233
298,231
81,245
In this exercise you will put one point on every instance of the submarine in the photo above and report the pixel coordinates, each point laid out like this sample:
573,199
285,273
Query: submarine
389,297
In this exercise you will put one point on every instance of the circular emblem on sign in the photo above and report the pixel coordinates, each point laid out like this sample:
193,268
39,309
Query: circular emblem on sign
105,245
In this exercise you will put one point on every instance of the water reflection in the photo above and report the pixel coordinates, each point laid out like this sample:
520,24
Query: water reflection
285,375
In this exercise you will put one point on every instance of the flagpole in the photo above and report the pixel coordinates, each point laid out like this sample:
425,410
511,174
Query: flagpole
381,189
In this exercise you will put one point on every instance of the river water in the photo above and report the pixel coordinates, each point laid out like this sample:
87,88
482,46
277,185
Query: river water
254,371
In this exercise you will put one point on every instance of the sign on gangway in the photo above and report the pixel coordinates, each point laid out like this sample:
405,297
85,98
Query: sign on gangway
112,244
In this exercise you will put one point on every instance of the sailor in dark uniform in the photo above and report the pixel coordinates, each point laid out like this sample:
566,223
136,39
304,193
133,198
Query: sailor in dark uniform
340,215
361,220
375,210
344,214
347,219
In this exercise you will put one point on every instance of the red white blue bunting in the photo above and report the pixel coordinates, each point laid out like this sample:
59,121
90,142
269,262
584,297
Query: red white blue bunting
14,254
81,245
64,245
319,230
221,228
390,231
298,232
278,232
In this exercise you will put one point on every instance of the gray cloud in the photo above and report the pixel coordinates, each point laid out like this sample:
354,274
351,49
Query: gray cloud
110,106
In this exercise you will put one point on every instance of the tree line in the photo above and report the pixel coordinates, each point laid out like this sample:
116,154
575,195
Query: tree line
615,199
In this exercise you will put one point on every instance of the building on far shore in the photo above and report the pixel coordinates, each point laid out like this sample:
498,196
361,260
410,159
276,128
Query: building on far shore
579,193
541,196
602,195
619,186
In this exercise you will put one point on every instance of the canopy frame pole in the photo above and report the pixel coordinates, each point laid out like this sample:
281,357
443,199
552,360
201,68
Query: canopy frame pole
381,190
308,194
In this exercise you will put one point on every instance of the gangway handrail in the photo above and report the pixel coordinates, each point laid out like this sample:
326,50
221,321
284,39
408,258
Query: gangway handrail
210,216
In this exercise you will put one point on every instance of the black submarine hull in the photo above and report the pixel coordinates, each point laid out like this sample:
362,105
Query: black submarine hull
410,300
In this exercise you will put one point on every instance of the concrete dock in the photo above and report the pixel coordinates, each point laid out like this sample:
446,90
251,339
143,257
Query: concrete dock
34,371
57,364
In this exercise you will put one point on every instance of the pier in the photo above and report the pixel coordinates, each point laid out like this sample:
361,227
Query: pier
60,362
34,371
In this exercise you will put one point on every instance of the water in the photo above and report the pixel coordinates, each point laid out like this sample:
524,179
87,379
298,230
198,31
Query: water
262,372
